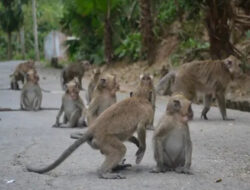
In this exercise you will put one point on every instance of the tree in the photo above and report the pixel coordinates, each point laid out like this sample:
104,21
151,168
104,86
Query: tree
146,24
35,30
11,19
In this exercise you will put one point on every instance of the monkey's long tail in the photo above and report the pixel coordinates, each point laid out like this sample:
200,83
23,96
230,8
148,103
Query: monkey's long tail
86,136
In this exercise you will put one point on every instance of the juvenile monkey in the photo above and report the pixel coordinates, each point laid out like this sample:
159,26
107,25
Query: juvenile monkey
104,96
73,108
92,84
172,142
114,126
20,73
31,95
146,81
207,77
72,71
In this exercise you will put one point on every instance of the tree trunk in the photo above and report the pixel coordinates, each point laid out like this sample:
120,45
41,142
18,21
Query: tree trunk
217,17
35,30
146,24
9,46
22,40
108,36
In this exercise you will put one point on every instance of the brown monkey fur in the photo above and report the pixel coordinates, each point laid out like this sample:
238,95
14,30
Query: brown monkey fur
146,81
72,71
207,77
172,142
31,95
72,106
108,132
20,73
104,95
92,84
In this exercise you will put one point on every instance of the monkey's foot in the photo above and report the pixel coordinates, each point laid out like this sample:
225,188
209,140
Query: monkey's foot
157,170
183,170
111,176
121,166
228,119
139,155
204,116
56,125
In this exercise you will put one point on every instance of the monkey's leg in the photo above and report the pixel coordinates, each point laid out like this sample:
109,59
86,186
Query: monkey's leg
134,140
220,96
141,133
114,151
36,104
207,103
158,155
73,120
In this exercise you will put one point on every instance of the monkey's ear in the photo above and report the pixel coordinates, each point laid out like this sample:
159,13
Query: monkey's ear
131,94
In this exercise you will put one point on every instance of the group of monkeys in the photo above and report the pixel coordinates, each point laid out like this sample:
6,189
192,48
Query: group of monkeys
110,123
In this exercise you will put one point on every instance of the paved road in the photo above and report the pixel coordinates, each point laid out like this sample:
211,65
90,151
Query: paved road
221,150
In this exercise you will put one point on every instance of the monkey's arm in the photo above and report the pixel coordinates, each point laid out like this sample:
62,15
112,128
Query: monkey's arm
93,106
37,105
22,105
188,151
141,132
59,114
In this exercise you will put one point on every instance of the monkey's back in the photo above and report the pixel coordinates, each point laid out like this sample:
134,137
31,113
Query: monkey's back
121,119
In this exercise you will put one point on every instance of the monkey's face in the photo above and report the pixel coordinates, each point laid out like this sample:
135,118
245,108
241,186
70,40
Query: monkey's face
181,106
109,82
32,76
234,66
86,65
73,91
146,80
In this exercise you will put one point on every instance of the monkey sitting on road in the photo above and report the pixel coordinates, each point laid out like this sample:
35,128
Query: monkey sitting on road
172,142
104,96
146,81
20,73
207,77
74,70
31,95
73,108
92,84
114,126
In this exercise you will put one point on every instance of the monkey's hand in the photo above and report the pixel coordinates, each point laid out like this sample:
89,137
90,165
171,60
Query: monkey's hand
57,124
139,155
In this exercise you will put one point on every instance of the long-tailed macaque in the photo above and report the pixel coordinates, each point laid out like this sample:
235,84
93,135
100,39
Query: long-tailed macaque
172,142
92,84
114,126
20,73
104,96
207,77
31,95
73,108
146,81
74,70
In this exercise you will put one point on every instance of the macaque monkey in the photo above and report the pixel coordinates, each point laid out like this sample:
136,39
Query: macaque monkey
207,77
115,125
165,85
92,84
104,96
20,73
146,81
72,71
172,142
31,95
72,106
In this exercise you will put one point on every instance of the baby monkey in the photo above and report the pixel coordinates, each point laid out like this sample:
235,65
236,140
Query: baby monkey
172,142
31,95
72,106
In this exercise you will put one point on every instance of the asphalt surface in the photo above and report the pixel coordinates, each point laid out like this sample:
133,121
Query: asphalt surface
221,149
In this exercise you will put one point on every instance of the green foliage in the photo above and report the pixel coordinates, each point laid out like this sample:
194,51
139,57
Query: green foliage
248,34
130,47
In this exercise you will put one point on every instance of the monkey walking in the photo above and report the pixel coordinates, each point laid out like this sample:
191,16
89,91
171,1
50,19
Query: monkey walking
31,95
72,71
73,108
207,77
114,126
172,142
